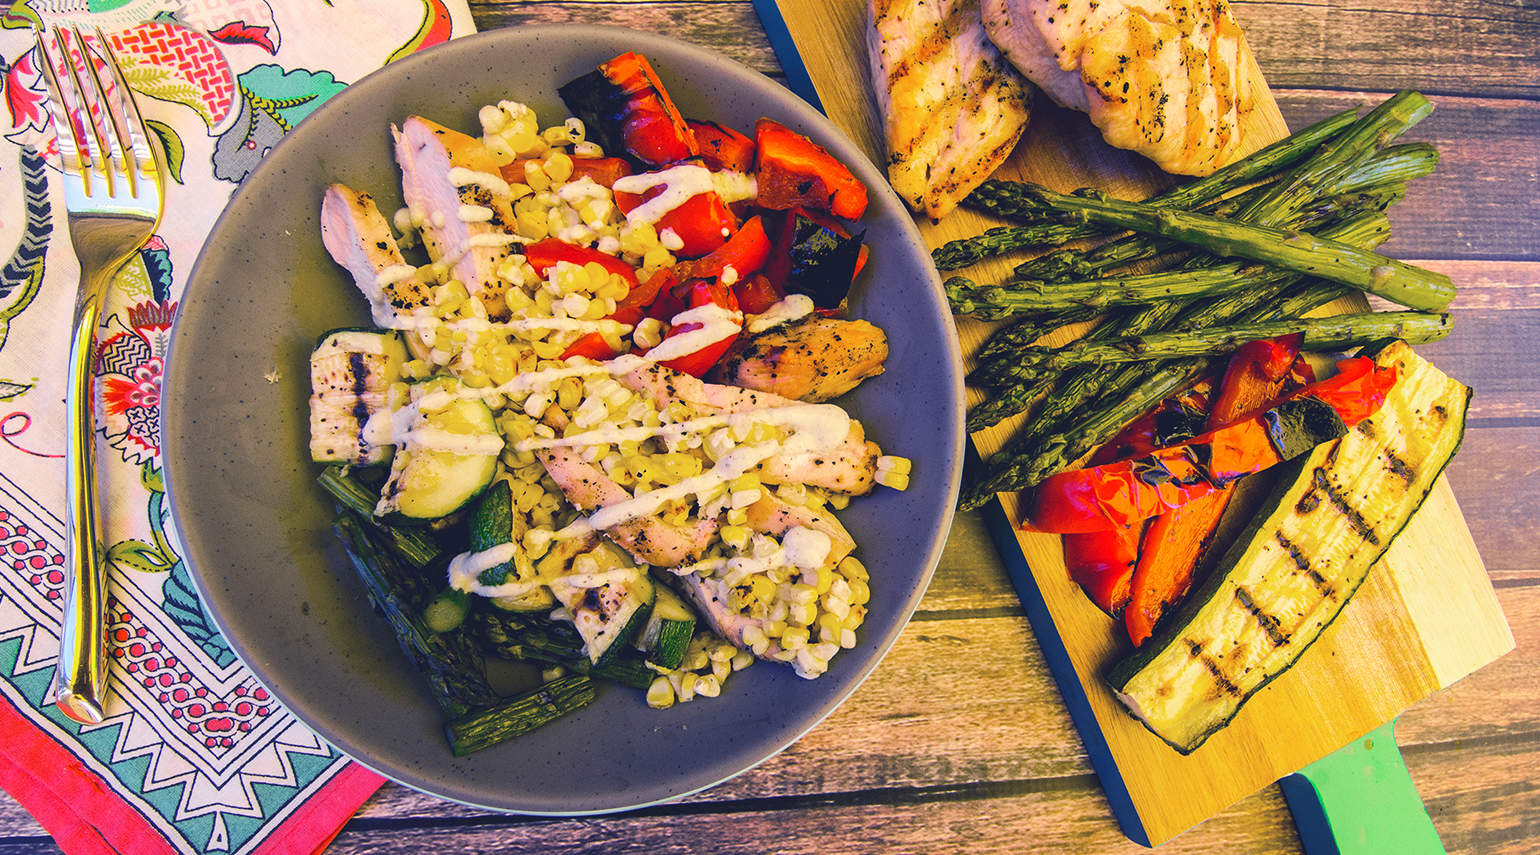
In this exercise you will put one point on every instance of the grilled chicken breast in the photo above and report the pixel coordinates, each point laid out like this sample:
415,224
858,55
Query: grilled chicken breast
357,236
812,358
1166,79
454,190
952,107
851,468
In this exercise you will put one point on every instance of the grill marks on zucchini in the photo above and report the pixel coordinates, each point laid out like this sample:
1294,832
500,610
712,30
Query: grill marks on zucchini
1330,518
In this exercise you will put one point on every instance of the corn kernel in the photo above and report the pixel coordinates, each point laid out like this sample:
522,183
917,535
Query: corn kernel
660,694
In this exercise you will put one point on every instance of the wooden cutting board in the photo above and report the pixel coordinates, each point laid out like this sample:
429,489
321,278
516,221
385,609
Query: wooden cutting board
1426,617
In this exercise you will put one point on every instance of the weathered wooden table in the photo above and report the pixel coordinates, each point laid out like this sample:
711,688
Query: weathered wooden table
960,742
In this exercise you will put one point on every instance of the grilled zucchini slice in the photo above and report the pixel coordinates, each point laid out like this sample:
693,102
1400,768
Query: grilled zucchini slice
1330,517
350,372
608,597
447,455
666,637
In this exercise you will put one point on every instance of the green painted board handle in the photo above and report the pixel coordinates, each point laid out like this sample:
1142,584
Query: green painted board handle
1360,800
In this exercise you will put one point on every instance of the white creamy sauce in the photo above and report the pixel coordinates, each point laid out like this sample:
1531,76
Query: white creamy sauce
679,184
785,310
717,323
459,176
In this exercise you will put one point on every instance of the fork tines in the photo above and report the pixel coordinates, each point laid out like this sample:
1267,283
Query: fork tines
106,131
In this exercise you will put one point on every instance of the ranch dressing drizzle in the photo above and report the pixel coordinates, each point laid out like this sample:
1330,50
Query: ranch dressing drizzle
717,323
814,427
679,183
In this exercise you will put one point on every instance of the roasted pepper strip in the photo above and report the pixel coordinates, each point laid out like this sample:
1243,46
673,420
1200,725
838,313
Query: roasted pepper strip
1174,543
1102,564
699,361
1127,491
744,254
795,171
624,105
545,254
722,147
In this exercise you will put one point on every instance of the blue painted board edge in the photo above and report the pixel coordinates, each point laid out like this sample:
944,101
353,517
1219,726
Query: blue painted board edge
1059,664
797,78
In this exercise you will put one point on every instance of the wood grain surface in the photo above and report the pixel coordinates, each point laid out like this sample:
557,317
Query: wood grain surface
960,743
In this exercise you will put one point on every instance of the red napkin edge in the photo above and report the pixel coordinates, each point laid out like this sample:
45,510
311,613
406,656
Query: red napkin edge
61,792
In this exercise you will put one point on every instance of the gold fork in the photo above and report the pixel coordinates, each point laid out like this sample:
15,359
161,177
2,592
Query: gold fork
113,175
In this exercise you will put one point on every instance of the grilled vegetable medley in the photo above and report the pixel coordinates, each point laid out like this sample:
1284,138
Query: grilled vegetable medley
590,426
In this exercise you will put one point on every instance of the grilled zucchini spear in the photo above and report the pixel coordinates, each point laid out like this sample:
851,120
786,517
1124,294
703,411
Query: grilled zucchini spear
1331,516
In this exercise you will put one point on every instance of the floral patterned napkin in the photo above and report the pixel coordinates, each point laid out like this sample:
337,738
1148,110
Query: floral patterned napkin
194,755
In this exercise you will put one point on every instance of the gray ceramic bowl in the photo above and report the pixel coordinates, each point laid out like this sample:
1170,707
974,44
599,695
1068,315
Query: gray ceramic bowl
256,528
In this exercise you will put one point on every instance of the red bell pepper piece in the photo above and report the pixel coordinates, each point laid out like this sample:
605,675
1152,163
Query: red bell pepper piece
756,294
1102,564
625,93
1126,491
795,171
1174,543
722,147
745,252
601,170
703,223
544,254
634,306
592,346
698,362
1357,390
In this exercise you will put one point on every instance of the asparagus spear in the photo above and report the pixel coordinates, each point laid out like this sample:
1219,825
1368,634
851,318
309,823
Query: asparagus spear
1360,167
448,661
1015,297
1386,121
998,197
534,638
416,547
1329,333
519,715
1363,230
1386,277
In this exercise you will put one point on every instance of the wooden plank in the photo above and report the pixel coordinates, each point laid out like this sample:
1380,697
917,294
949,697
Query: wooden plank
1004,819
1379,45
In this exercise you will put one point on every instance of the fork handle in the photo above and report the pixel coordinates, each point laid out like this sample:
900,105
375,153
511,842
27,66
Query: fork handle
81,679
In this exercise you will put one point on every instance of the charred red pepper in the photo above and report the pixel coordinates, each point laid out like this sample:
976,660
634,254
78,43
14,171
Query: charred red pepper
722,147
1123,492
756,294
543,255
1102,564
1174,542
635,305
626,109
601,170
745,252
592,346
794,171
815,256
703,223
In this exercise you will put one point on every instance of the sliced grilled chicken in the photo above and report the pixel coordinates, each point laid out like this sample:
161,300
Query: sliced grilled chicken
773,516
952,107
1166,79
358,237
810,359
850,468
455,192
649,539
